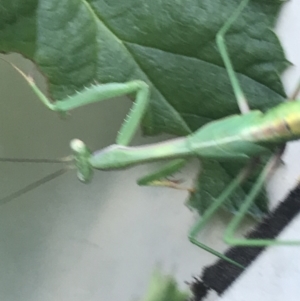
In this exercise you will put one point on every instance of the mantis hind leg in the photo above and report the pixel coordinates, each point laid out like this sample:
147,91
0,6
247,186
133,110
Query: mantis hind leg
231,229
234,224
196,229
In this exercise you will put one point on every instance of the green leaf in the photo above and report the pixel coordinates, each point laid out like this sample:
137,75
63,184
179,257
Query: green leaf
169,44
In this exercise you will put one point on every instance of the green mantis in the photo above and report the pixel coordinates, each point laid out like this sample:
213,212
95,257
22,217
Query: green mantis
242,137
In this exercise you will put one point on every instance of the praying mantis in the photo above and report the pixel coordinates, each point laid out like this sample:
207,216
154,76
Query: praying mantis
244,136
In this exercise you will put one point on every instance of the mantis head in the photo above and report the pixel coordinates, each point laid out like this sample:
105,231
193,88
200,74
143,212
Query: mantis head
81,155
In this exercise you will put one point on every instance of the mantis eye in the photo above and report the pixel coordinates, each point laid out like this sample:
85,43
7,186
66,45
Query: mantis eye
82,155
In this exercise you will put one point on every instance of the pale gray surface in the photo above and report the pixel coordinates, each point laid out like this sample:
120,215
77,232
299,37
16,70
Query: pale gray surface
69,241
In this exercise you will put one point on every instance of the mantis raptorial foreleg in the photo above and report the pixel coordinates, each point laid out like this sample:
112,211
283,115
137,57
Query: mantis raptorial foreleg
97,93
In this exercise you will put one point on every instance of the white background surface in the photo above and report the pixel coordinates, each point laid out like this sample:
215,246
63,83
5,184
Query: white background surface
70,241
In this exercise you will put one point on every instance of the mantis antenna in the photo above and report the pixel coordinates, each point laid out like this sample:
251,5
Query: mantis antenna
39,182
